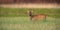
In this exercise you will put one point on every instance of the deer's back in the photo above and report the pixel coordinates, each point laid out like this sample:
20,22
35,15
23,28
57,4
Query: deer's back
40,16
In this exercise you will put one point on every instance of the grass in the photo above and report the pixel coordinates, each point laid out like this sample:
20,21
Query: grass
17,19
16,12
23,23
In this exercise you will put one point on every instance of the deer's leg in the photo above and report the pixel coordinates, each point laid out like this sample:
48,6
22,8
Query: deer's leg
30,18
45,18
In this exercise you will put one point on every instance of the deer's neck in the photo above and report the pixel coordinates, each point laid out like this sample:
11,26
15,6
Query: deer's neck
30,14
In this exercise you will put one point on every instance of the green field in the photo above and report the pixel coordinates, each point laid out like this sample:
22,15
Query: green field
17,19
23,23
16,12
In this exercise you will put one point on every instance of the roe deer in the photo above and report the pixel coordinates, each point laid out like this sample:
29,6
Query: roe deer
36,17
39,16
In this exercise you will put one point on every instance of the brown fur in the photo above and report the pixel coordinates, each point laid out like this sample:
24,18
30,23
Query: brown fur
36,17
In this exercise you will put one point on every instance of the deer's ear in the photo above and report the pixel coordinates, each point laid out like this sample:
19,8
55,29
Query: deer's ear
27,11
32,11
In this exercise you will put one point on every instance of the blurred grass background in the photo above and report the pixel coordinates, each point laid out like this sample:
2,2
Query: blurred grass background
14,12
17,19
23,23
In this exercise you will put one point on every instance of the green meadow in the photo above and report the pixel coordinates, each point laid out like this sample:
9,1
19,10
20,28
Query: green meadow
18,19
14,12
